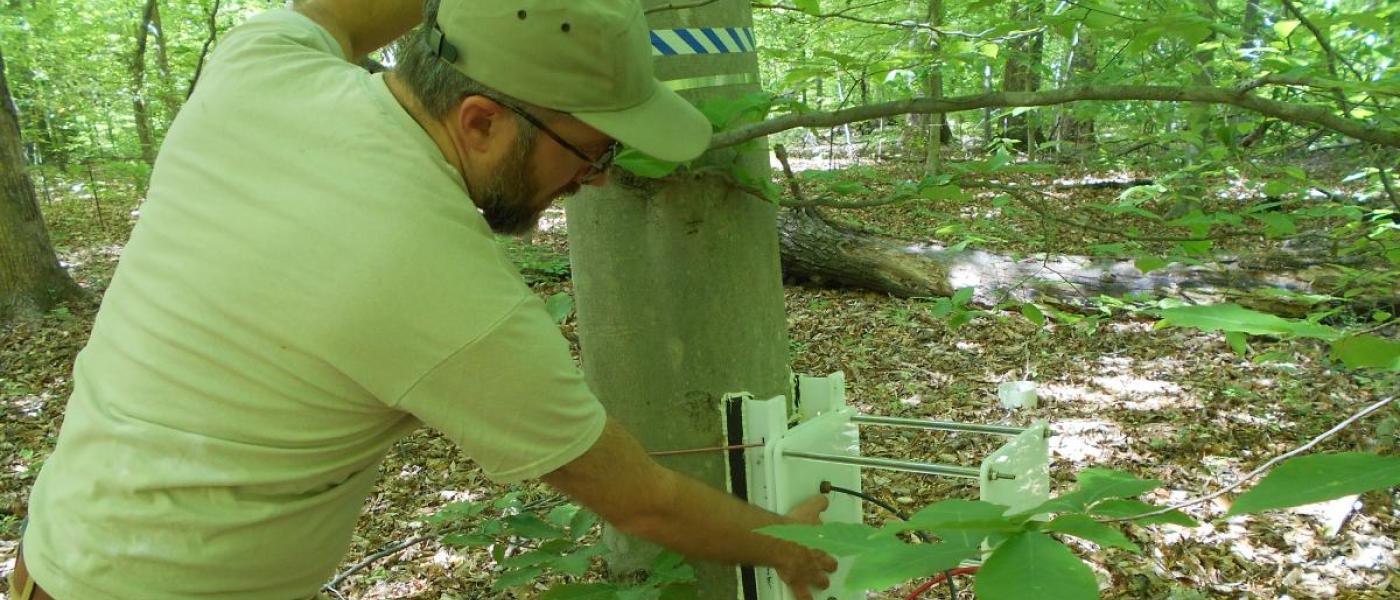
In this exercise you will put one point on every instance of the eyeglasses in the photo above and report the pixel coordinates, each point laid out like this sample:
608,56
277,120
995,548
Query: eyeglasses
596,166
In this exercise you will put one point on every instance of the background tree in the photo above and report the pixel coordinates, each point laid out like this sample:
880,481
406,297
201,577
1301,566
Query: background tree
31,280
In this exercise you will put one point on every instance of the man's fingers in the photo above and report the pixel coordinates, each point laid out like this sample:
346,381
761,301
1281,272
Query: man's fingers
810,510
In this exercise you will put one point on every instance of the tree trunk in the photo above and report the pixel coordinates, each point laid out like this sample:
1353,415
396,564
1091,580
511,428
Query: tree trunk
819,251
1022,72
139,110
31,280
167,78
679,294
1083,62
934,89
1250,26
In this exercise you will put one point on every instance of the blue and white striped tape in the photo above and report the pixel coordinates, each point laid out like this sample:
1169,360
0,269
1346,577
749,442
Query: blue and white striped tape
702,40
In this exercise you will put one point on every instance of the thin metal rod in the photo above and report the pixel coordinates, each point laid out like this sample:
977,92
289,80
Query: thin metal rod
888,464
938,425
704,450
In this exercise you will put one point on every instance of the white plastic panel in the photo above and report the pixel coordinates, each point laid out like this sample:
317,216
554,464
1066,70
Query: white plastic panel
1018,473
778,483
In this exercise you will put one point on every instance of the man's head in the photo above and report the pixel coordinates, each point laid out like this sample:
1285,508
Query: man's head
535,95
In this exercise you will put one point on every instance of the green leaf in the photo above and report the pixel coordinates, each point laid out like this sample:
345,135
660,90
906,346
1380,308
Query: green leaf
577,563
1238,342
1082,526
1032,312
1122,508
581,591
582,523
1277,188
1319,477
989,50
1148,264
456,511
1094,485
645,166
559,306
943,192
1285,28
1233,317
1276,225
811,7
1367,351
836,539
531,526
669,568
723,112
1032,565
961,296
962,522
516,578
897,562
468,540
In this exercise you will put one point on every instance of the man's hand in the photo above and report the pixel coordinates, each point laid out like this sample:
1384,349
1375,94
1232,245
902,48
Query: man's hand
808,568
616,479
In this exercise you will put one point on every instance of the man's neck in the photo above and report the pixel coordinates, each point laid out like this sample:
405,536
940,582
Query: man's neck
431,126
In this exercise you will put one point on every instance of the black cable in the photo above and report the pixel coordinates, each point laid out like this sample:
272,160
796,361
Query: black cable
826,487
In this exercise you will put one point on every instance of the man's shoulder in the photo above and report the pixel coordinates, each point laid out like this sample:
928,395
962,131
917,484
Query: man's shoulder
282,27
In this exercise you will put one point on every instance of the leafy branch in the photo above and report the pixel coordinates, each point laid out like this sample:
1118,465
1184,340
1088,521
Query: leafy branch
1299,114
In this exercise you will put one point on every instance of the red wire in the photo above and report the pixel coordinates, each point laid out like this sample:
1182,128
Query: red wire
937,579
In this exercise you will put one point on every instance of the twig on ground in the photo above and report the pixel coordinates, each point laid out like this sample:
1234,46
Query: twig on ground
1262,468
369,560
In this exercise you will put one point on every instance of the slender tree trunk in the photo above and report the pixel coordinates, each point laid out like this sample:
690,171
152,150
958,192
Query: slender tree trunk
139,109
934,89
167,78
31,280
1082,63
1250,27
204,51
1022,72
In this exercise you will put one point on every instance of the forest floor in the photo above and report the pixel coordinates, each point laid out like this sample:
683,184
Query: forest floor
1173,404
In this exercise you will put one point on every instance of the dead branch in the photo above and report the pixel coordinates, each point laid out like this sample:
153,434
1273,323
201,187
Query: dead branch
674,6
204,52
1316,116
1262,468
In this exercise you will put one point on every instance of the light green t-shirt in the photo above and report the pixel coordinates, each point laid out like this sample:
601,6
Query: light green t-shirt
308,282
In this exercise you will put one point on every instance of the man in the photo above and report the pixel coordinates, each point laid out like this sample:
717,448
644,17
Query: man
313,276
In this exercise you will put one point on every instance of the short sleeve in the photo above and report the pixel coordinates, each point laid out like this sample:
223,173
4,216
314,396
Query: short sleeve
512,399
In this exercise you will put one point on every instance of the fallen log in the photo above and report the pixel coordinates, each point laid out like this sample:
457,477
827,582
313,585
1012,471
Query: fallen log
819,251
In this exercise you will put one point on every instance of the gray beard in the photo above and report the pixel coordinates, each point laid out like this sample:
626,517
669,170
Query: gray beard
506,203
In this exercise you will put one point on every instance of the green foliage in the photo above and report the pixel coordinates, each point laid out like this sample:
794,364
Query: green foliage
645,166
1085,527
1096,484
559,306
1319,477
669,578
1355,351
1032,565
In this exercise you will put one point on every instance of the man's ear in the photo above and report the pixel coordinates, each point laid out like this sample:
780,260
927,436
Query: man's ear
485,126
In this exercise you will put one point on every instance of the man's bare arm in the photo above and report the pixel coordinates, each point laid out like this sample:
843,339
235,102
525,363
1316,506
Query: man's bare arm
363,26
617,480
